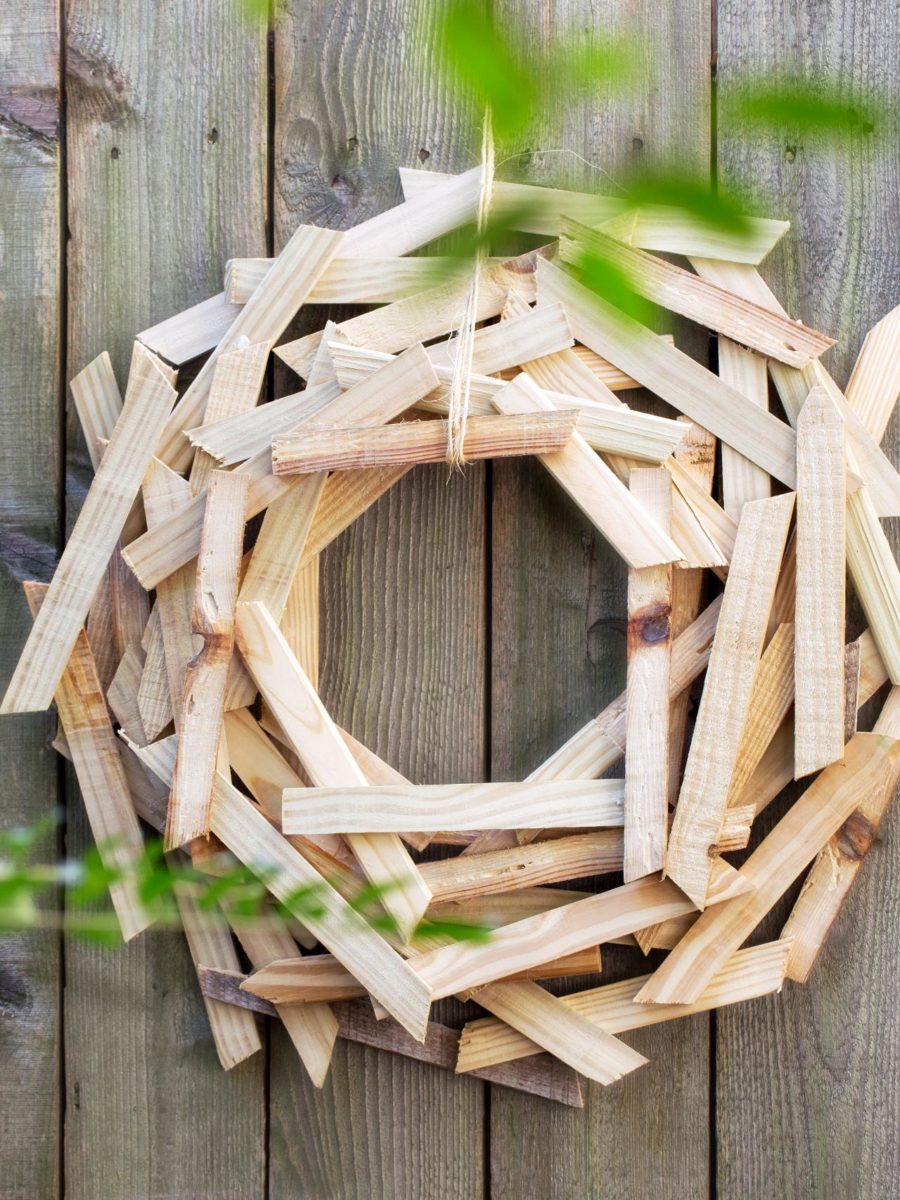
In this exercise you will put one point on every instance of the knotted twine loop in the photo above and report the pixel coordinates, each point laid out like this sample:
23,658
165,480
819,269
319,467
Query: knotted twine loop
464,343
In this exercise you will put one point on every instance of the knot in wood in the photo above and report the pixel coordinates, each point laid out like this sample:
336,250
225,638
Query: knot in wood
649,625
855,837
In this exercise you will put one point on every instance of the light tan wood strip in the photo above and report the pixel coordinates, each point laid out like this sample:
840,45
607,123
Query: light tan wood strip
674,377
203,698
821,586
537,209
121,695
154,697
325,756
875,383
409,442
647,692
263,318
743,480
741,628
194,331
98,403
429,808
563,930
236,382
871,766
601,496
351,280
749,324
770,702
84,718
93,539
748,974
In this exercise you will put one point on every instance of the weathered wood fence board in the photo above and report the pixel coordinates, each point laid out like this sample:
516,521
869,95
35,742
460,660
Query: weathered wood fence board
30,446
807,1098
558,616
403,599
169,165
167,179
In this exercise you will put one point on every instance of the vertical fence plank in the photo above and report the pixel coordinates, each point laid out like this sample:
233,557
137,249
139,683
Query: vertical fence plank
29,504
808,1104
558,648
167,160
403,591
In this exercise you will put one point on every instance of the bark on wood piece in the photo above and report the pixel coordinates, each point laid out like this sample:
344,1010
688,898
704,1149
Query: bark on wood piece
742,480
723,708
697,456
203,700
92,744
236,382
770,702
325,756
551,1080
875,383
122,695
876,577
574,857
682,292
409,442
420,318
647,692
98,403
564,930
93,539
871,767
566,1034
748,974
339,927
351,280
381,398
165,493
429,808
593,486
264,317
537,209
852,667
837,865
677,379
234,1030
821,586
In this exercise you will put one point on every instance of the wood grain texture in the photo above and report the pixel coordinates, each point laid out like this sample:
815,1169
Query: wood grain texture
558,615
352,101
30,483
146,150
820,1090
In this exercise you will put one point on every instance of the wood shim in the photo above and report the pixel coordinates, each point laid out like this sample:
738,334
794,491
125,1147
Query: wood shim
720,722
203,698
674,377
337,449
92,541
837,865
750,324
871,767
255,842
821,586
750,973
325,756
563,930
874,386
430,808
104,788
602,497
263,318
536,209
647,692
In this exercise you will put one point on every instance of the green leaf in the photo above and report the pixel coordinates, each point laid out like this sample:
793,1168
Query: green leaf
485,63
461,931
607,279
799,104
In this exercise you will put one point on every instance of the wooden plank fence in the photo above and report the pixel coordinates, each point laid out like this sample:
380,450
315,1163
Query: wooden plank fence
141,145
